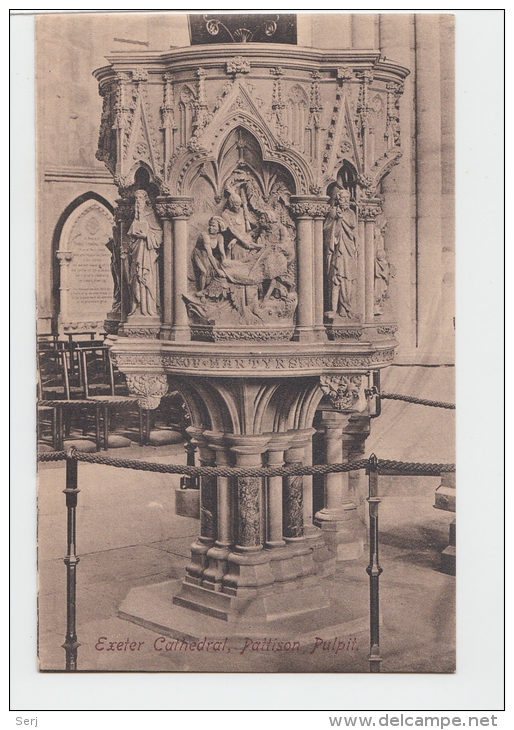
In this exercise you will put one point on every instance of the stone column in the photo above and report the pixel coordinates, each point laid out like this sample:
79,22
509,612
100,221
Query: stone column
274,512
368,213
293,496
354,447
217,554
360,294
167,268
179,210
319,259
305,208
248,562
338,518
298,490
208,513
64,258
398,187
428,109
309,529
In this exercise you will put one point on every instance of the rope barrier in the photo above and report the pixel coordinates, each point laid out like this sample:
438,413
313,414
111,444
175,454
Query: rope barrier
373,467
419,401
52,456
385,467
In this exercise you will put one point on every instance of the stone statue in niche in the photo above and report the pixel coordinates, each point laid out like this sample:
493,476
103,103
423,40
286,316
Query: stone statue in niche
340,242
382,267
244,262
142,253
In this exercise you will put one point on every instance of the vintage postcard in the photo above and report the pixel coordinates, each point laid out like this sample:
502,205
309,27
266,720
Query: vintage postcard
245,344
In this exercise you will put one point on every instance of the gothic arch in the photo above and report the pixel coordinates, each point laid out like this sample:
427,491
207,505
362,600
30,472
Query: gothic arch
186,166
131,178
56,238
185,114
297,111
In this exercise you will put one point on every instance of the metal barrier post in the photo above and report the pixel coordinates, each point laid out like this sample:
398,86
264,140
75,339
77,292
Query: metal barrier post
71,644
373,569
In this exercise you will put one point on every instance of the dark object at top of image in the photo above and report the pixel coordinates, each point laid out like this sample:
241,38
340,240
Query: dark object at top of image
242,29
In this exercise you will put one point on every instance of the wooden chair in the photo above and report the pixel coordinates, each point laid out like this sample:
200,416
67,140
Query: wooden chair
62,399
100,388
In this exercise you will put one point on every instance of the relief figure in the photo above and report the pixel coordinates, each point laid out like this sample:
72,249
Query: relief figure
382,268
208,255
244,263
278,254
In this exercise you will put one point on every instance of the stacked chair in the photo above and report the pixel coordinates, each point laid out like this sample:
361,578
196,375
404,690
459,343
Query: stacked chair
78,387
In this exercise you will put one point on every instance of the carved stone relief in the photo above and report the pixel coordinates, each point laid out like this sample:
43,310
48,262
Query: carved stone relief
248,507
293,505
243,255
149,388
343,391
382,267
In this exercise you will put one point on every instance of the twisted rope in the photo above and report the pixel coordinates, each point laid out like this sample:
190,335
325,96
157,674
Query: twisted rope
419,401
222,471
405,468
384,467
52,456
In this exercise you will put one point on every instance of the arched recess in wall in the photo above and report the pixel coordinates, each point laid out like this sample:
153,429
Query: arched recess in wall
70,212
347,179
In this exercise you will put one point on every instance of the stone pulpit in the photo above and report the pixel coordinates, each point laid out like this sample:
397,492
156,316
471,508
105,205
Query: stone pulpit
251,252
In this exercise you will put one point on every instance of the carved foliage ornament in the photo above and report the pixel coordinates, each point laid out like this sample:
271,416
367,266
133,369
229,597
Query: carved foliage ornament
248,510
175,209
238,65
310,210
124,209
149,388
342,390
369,212
293,506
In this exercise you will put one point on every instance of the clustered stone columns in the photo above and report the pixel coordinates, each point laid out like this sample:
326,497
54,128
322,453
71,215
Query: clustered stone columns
208,512
337,518
174,212
251,529
274,536
309,213
345,429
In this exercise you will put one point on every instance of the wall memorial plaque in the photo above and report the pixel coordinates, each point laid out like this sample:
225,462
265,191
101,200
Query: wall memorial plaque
86,284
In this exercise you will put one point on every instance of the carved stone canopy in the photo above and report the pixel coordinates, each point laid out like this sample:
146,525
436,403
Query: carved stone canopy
317,110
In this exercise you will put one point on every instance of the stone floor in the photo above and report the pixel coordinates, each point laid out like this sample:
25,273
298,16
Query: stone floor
129,535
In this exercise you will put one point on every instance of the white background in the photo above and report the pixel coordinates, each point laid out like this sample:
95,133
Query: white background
478,684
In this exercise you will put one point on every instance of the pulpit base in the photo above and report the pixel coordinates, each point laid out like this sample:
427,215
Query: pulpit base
268,603
153,607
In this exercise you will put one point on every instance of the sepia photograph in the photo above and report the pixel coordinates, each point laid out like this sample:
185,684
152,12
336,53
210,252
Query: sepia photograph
245,342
